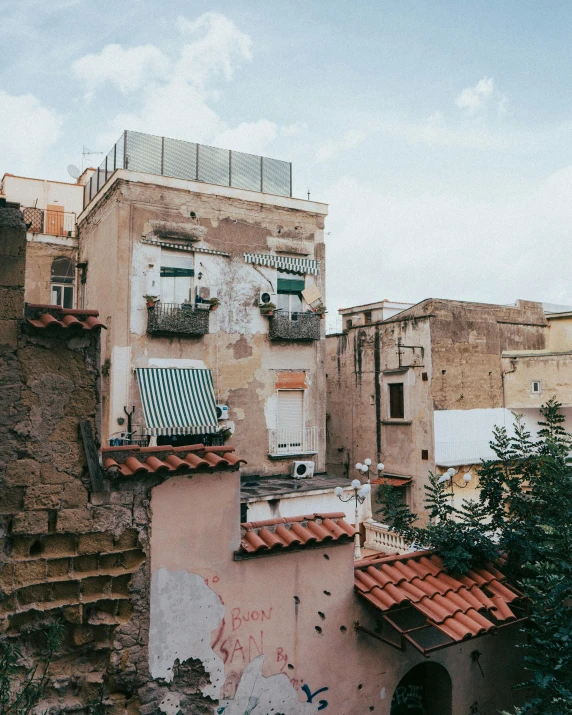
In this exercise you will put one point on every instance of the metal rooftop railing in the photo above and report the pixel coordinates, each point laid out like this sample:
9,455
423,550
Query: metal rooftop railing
197,162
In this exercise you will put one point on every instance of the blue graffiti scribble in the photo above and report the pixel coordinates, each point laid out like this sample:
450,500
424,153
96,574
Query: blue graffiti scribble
310,695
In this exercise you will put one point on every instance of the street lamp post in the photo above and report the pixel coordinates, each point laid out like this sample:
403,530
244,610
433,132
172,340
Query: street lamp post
364,469
360,494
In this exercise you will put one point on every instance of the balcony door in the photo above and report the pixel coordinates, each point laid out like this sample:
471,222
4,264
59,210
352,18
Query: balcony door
290,421
176,278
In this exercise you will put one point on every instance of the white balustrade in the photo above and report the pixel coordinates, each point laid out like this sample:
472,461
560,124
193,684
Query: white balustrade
380,538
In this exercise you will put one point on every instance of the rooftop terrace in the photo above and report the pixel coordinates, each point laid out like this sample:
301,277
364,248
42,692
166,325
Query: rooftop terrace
195,162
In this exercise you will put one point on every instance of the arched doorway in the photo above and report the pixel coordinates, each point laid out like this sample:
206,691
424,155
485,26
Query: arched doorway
424,690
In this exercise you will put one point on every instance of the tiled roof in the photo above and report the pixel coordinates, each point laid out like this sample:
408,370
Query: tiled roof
133,460
55,317
464,607
393,481
296,531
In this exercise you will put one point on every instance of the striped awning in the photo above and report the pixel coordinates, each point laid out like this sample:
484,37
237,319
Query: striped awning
285,263
177,401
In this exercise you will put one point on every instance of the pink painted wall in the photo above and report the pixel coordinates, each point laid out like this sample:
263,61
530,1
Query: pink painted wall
229,613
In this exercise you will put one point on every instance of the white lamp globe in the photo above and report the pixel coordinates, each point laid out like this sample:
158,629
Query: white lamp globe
444,478
380,467
364,468
356,484
359,466
367,462
366,489
451,472
338,491
467,477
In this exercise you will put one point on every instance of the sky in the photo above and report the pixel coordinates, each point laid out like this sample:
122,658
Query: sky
440,134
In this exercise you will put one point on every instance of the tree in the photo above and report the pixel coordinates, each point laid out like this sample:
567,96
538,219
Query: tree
524,516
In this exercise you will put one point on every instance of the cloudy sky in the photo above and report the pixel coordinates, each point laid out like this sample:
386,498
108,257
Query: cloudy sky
440,133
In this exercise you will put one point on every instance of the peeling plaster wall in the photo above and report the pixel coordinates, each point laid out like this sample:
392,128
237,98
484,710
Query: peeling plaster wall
244,361
275,633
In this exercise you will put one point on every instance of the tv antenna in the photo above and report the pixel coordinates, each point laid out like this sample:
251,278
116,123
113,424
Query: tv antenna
87,152
73,171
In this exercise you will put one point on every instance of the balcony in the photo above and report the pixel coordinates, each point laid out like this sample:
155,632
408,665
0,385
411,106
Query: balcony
380,538
50,222
173,318
294,326
301,441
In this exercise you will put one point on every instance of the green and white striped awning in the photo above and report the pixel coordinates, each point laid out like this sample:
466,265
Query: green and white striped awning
285,263
177,401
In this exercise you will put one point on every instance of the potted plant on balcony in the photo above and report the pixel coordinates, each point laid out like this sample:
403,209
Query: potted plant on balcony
213,303
321,310
151,300
226,433
268,309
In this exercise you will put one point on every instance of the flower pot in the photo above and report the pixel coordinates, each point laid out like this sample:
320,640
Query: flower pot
268,313
322,316
150,303
214,307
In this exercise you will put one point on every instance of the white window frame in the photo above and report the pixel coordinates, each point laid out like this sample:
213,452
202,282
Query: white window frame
62,287
532,390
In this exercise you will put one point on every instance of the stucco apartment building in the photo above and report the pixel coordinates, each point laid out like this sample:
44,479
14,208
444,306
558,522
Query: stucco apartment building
50,210
422,390
168,225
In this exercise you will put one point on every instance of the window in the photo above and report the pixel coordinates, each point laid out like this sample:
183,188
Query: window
396,401
367,317
289,289
535,387
176,277
290,420
62,282
348,323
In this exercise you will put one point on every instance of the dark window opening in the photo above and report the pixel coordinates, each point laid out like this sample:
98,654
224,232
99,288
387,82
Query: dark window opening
367,317
396,401
186,440
349,323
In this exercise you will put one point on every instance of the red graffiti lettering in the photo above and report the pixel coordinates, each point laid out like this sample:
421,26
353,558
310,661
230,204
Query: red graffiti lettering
281,657
224,650
236,619
240,617
259,646
266,616
237,647
215,579
255,615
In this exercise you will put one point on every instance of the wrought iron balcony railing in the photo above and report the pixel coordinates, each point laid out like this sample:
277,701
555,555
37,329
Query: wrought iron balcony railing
185,319
49,221
303,440
294,326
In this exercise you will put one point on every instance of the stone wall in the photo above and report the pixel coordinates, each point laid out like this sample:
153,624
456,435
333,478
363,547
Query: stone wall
67,552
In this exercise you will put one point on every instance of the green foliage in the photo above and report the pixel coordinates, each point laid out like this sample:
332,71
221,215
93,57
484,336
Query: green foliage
21,687
524,511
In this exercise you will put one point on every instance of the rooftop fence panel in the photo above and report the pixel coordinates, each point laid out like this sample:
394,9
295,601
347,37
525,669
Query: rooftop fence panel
195,162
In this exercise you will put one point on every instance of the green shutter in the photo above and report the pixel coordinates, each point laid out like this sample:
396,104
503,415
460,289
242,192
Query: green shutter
290,287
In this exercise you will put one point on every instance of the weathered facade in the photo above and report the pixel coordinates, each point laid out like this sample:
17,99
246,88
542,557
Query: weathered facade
50,210
139,232
445,360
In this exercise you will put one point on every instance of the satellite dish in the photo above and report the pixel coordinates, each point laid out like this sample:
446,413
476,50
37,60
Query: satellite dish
73,171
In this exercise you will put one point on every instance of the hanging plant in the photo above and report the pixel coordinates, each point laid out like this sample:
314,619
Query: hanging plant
268,309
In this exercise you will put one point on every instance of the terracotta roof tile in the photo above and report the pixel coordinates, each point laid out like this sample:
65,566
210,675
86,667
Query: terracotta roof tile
475,603
274,535
54,317
132,460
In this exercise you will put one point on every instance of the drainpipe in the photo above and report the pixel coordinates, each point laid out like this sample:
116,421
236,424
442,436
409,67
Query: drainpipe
507,372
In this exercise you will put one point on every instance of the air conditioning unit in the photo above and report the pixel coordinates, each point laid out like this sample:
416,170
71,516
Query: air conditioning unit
302,470
222,412
266,297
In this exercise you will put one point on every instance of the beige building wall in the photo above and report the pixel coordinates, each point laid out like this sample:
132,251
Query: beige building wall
278,630
44,247
453,387
122,269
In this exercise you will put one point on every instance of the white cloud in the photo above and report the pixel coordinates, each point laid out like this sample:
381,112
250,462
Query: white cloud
27,130
175,96
481,97
217,44
411,246
129,69
332,148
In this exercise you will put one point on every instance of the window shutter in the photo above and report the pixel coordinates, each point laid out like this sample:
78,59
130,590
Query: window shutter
290,409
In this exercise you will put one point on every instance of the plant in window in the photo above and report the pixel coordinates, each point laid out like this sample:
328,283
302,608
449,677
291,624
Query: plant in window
226,433
268,309
151,300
